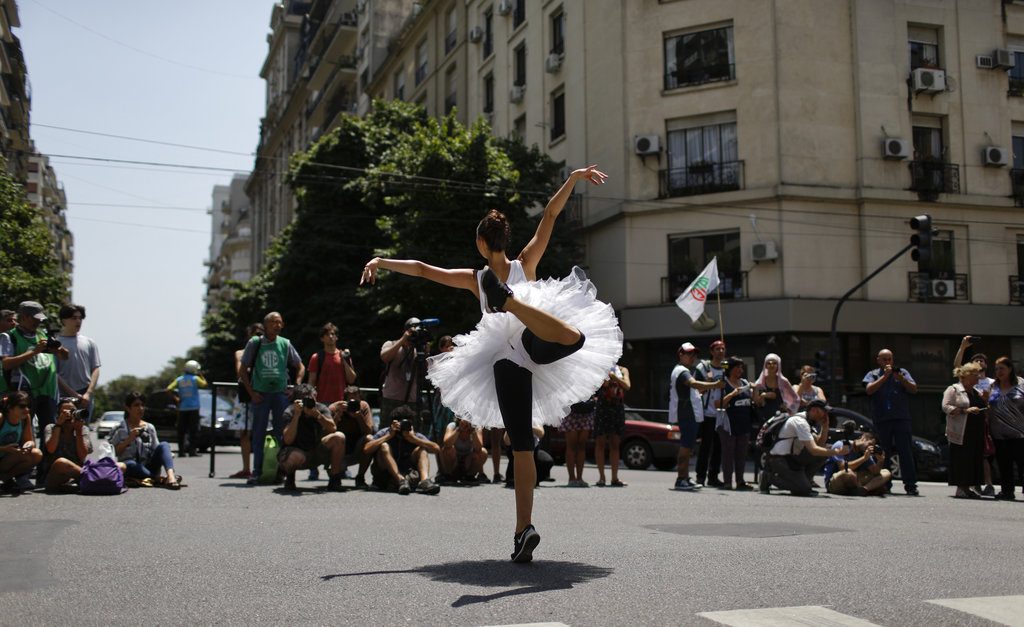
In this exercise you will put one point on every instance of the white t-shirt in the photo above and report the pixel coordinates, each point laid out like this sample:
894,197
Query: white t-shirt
793,436
673,397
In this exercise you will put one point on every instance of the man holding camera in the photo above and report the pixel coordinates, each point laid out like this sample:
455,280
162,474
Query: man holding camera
353,418
860,471
463,454
890,388
30,354
310,439
401,457
400,375
798,454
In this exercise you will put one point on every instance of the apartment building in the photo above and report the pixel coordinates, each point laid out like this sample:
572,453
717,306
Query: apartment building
231,240
15,95
46,193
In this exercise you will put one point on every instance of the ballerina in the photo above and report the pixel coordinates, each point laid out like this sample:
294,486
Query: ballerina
539,347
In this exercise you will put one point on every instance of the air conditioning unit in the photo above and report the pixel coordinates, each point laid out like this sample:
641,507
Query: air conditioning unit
647,144
929,81
517,93
476,34
893,148
1004,59
504,7
984,61
553,63
995,156
361,5
764,251
943,288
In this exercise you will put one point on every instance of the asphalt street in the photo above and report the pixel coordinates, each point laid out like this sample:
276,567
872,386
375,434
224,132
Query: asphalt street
221,552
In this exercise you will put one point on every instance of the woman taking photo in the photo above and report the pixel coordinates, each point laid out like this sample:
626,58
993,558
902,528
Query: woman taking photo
806,391
734,428
18,452
536,350
135,443
965,429
1006,421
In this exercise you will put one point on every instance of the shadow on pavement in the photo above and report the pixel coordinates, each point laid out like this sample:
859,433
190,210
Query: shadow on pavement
539,576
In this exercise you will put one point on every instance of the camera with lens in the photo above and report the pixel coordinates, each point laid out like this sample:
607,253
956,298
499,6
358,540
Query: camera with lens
143,435
51,344
308,403
80,414
405,425
352,405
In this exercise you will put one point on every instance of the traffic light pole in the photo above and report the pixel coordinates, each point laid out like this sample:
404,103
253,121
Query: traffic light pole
834,352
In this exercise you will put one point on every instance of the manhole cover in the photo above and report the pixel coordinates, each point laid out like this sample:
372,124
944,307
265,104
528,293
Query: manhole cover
745,530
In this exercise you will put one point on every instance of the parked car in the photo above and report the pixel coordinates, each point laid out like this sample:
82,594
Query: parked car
228,410
109,421
928,457
644,442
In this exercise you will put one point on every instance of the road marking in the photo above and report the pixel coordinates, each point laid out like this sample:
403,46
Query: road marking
810,615
1008,610
533,625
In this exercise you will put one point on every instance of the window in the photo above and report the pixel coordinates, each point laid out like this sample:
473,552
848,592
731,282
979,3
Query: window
400,84
488,47
1018,151
452,36
1017,75
519,15
519,128
930,174
421,62
364,79
1020,255
943,255
928,140
489,93
700,57
558,32
689,254
923,44
703,156
558,114
520,65
451,90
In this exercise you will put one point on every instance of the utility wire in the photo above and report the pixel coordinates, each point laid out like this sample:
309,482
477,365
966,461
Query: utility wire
142,226
145,141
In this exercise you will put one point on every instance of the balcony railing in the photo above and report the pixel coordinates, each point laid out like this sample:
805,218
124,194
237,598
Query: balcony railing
1016,290
1017,185
923,287
1016,87
931,178
701,178
450,40
731,286
689,77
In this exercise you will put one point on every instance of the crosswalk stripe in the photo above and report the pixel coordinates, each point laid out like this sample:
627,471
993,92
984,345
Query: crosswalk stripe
810,615
1008,610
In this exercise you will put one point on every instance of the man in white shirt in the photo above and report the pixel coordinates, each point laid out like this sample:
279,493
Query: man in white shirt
798,454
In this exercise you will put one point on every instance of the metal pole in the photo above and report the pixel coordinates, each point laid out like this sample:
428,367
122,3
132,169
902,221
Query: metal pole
834,336
213,429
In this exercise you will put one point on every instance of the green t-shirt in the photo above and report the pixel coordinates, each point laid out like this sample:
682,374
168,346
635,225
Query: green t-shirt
270,366
41,370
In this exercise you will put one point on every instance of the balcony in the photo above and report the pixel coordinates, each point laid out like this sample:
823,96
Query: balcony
1016,88
731,286
701,178
925,288
1017,185
1016,290
689,77
931,178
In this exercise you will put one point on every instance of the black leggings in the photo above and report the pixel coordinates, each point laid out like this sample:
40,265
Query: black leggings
514,387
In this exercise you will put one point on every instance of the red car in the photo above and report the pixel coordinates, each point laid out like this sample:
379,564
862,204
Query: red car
644,442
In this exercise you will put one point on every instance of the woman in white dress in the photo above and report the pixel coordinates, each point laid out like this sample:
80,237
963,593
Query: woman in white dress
540,346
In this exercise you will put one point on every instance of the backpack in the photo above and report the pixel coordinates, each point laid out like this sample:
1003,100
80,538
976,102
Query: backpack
243,394
768,435
268,474
101,476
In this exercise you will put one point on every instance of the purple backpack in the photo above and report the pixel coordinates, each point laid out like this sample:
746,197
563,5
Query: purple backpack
101,476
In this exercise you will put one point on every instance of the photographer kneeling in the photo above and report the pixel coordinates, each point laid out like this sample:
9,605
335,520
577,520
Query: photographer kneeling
66,444
860,472
401,457
463,454
310,439
798,454
353,418
136,444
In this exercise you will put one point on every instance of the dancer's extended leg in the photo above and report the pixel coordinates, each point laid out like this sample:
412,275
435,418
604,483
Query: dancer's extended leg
545,326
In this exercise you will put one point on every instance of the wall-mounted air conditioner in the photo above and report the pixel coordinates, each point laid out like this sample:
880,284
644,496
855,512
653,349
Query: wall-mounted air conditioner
928,80
764,251
553,63
995,156
517,93
647,144
893,148
943,288
1004,59
476,34
504,7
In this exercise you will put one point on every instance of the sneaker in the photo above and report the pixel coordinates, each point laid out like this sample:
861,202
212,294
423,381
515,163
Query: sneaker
414,478
744,487
403,486
469,481
10,485
241,474
25,484
497,478
684,483
988,491
314,474
1005,496
725,485
495,291
427,486
334,484
714,482
253,480
523,545
360,483
482,478
913,492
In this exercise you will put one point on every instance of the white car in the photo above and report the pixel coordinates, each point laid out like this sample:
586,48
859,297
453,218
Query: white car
108,422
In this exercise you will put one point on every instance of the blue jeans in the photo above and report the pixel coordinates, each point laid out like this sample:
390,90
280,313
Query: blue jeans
273,402
895,437
161,458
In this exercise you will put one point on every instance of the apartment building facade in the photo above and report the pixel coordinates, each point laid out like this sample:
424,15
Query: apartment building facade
46,193
231,240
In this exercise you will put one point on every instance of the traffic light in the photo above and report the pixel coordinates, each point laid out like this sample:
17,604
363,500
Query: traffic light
922,241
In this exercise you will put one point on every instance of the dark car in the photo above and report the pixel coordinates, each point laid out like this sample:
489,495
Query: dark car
163,413
643,443
928,457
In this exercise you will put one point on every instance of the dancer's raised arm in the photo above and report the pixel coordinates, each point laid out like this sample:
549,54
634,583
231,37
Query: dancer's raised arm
534,250
460,278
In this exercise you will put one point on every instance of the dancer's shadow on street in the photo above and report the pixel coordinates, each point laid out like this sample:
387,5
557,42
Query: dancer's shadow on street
541,576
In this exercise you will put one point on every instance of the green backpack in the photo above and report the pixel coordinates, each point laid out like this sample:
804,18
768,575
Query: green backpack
268,474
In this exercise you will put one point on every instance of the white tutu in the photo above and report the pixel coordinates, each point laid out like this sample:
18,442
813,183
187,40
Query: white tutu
465,375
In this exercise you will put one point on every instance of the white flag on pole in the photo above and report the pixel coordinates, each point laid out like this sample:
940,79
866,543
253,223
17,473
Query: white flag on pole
693,297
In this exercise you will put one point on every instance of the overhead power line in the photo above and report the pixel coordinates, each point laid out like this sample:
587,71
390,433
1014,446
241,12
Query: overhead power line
144,141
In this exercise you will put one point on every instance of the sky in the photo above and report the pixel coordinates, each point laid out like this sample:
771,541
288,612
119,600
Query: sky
182,72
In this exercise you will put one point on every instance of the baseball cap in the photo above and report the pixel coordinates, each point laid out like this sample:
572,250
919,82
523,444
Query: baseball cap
687,347
32,308
819,403
717,343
